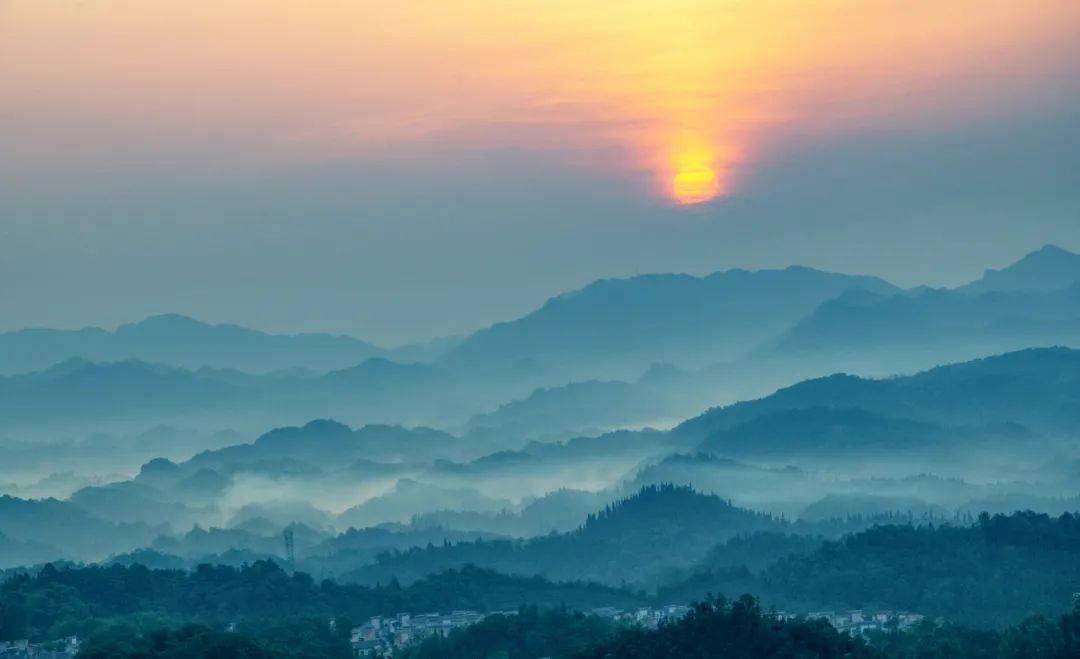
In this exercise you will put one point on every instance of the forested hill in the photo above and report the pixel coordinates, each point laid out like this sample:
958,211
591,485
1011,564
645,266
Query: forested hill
660,526
996,572
618,327
1036,389
57,602
182,341
741,629
711,629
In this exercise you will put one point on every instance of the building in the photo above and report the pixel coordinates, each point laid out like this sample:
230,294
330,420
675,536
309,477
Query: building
859,623
380,635
64,648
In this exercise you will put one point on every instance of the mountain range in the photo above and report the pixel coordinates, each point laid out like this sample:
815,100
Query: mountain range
632,538
618,327
185,342
1029,396
1050,268
619,353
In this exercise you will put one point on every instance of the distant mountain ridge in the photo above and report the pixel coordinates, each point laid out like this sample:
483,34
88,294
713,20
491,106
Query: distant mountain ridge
76,392
1010,396
633,538
578,359
1020,402
182,341
1000,320
1033,302
1047,269
611,328
618,327
324,442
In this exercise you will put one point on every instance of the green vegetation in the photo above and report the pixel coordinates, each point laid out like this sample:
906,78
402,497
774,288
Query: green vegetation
740,629
530,633
716,628
1037,636
305,638
1004,565
998,571
636,537
57,603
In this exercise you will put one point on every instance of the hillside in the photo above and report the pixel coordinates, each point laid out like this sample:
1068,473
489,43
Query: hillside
1001,569
619,353
948,324
826,432
76,394
78,390
1047,269
329,443
1009,395
632,540
85,597
182,341
1033,302
618,327
49,529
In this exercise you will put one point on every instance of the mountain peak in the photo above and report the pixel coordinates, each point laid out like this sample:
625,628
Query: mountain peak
1049,268
169,318
172,322
1050,248
165,320
616,328
1045,256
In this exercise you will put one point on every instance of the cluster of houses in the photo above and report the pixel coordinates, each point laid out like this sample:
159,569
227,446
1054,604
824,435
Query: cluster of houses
858,622
646,617
855,622
65,648
381,635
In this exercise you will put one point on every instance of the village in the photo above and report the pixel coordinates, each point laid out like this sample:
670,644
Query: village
65,648
380,636
860,623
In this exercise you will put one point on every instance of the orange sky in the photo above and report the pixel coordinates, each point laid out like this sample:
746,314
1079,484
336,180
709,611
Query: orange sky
685,92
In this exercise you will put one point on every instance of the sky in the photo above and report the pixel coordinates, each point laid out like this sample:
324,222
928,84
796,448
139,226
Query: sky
400,171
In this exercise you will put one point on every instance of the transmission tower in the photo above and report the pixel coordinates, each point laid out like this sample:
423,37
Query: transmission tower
290,552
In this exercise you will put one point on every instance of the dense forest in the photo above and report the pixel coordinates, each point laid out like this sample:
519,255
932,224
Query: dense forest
627,541
531,632
58,602
993,573
740,629
292,638
714,628
989,576
1000,570
717,628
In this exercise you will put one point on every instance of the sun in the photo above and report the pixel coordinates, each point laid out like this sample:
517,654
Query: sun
694,184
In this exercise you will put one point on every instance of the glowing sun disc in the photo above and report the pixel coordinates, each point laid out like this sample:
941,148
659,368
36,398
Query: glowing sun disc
694,185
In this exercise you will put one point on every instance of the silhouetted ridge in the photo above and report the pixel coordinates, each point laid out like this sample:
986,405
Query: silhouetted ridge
619,327
182,341
659,527
1033,388
1049,268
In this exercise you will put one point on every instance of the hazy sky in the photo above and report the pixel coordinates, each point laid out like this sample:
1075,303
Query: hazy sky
404,170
